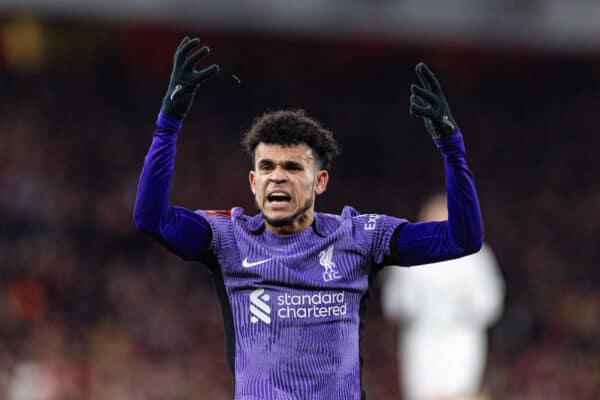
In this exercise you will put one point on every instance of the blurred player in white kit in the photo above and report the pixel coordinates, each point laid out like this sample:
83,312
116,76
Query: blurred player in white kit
444,311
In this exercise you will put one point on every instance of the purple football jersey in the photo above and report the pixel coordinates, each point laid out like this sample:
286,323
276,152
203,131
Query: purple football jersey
294,301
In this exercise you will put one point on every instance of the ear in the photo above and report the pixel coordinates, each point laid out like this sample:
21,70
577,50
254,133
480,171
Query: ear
321,181
251,178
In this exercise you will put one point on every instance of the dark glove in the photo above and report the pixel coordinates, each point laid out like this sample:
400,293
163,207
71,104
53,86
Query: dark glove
428,102
185,79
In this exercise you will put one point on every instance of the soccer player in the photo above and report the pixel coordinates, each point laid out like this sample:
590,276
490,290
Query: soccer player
444,311
292,281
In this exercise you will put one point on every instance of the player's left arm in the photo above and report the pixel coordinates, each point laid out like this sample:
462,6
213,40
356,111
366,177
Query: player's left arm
462,233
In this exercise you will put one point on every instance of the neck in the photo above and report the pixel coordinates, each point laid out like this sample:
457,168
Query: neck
297,223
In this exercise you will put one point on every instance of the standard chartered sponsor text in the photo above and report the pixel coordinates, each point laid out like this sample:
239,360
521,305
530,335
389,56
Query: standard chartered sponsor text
316,305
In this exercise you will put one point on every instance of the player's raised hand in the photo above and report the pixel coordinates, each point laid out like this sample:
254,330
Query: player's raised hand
185,78
428,102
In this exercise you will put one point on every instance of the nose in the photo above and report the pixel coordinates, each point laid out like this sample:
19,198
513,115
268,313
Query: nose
278,174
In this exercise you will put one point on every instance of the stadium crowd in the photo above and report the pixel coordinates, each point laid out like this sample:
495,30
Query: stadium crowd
91,309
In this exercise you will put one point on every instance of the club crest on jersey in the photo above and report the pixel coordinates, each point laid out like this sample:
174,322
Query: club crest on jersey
326,260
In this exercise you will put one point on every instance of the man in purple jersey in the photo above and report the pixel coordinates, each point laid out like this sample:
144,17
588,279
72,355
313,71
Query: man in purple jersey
293,282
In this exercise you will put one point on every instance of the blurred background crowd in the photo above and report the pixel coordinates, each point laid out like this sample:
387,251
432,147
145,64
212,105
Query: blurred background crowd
92,309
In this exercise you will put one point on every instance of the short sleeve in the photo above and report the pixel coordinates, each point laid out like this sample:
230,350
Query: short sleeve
220,225
373,233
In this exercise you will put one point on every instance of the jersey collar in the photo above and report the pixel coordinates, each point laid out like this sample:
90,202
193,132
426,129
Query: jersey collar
322,225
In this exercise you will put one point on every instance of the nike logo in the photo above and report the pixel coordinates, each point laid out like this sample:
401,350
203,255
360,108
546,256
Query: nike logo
248,264
447,121
177,89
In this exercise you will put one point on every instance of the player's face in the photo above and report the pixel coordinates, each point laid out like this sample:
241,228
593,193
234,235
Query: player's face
285,181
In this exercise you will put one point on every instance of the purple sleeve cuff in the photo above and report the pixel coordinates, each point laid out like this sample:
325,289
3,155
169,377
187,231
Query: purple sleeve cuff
451,145
168,124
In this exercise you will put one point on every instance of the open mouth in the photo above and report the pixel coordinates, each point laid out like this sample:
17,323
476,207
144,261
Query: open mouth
279,197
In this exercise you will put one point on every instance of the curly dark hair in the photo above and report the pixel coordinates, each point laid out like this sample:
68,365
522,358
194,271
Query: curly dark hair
290,127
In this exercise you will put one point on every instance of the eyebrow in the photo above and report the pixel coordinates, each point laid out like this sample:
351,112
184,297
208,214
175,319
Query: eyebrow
288,164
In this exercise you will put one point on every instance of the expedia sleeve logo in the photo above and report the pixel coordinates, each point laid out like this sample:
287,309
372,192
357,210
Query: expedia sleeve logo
371,223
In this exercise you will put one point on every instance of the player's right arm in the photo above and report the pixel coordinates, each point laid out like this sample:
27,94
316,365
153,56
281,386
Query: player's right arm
181,230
